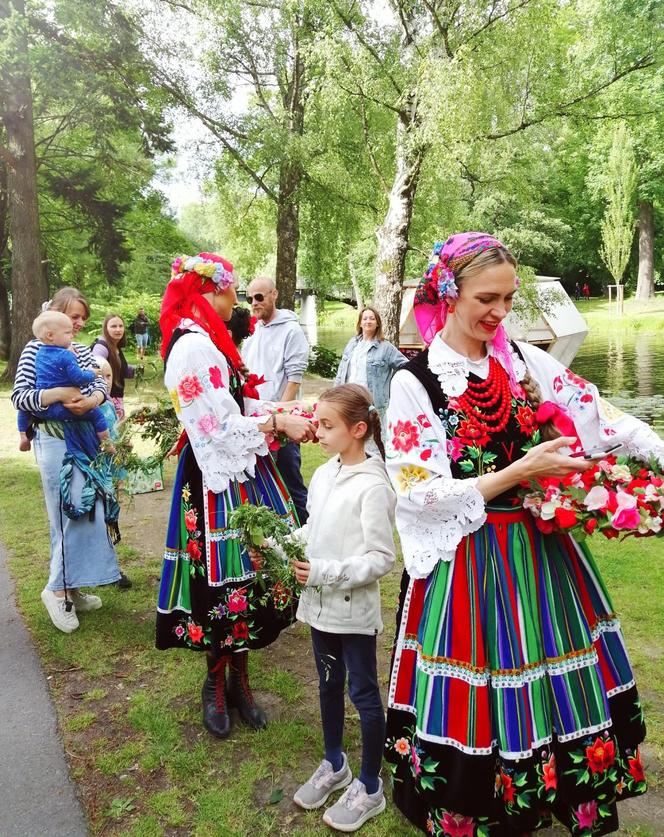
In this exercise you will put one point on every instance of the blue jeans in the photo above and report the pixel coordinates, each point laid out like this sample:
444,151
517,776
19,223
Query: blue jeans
336,654
89,557
289,462
141,340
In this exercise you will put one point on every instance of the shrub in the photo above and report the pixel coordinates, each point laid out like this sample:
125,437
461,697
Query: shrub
323,362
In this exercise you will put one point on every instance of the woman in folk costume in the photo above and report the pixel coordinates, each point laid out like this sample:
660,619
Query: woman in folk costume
209,598
511,696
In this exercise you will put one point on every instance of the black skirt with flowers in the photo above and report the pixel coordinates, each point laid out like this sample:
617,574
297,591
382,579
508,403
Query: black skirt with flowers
209,597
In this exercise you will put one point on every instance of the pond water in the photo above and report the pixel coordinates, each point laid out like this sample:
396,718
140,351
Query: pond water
627,368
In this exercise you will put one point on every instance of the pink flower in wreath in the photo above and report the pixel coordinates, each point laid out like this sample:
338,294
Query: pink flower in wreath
189,388
406,436
586,814
455,825
208,424
237,602
215,377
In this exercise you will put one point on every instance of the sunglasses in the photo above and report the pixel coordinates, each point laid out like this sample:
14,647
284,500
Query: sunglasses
257,297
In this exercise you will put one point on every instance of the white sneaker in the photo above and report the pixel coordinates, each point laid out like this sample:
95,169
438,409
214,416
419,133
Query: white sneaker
355,807
315,791
85,601
64,621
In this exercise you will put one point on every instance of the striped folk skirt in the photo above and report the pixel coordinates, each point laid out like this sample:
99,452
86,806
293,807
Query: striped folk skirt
209,597
511,696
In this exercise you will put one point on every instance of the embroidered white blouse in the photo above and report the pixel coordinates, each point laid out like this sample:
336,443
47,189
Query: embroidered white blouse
435,511
224,442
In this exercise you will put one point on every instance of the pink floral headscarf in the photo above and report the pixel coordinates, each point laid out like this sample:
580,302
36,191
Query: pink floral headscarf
438,287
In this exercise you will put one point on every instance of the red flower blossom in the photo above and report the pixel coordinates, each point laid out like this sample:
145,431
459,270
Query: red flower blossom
508,787
472,432
527,421
550,776
237,602
241,630
423,421
426,453
565,518
190,388
194,550
590,525
636,768
610,532
190,520
601,755
546,526
406,436
215,377
195,632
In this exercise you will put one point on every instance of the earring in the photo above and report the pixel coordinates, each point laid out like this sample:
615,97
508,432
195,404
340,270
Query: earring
450,309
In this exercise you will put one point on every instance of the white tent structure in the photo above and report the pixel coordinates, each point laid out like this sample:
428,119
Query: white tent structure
559,328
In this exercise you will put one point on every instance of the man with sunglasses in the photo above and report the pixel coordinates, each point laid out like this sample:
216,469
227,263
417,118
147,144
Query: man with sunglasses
278,351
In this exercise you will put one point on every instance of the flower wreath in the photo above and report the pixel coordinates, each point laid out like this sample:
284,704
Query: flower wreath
207,268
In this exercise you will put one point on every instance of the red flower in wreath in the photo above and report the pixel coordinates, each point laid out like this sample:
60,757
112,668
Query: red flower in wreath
241,630
406,436
526,420
190,520
636,768
195,632
565,518
550,776
508,787
471,432
601,755
194,550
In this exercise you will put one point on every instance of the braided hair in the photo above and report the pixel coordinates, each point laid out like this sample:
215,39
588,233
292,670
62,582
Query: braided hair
534,396
355,403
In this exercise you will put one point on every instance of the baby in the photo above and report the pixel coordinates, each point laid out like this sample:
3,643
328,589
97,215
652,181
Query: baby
56,366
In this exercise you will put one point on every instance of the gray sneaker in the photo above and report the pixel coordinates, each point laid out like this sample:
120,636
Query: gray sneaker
355,807
64,621
314,793
85,601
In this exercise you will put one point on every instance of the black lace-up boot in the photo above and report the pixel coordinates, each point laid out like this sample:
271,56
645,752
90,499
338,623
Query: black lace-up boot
216,719
240,695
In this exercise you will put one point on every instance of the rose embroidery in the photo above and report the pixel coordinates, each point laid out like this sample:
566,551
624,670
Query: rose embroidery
237,602
195,632
586,814
208,424
215,377
409,476
471,432
601,755
189,388
190,520
455,825
194,550
550,777
406,436
241,630
526,420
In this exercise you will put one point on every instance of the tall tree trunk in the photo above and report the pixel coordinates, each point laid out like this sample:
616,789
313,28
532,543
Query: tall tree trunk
288,232
5,267
28,287
393,233
645,286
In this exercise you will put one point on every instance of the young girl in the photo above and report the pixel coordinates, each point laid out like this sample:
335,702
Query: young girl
349,546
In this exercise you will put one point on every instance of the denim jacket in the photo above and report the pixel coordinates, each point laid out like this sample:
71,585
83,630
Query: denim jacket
383,360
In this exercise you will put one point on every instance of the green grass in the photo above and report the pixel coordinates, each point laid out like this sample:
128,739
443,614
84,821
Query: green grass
646,316
130,716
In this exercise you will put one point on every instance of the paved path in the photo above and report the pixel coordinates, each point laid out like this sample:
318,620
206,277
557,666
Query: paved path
37,795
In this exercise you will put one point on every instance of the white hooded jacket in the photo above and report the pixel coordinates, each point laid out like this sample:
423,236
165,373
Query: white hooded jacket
350,546
278,351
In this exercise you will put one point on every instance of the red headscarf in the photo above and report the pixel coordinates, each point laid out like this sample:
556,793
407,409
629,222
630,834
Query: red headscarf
183,299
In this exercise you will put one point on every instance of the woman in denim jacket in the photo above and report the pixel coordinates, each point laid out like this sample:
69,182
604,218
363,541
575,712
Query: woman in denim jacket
370,360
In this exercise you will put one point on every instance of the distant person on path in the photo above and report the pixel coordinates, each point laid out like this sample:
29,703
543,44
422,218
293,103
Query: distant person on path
370,360
109,347
82,554
141,329
278,351
577,291
56,366
209,598
350,546
586,290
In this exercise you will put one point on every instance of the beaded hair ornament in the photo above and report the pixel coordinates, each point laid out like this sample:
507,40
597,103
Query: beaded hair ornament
438,288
